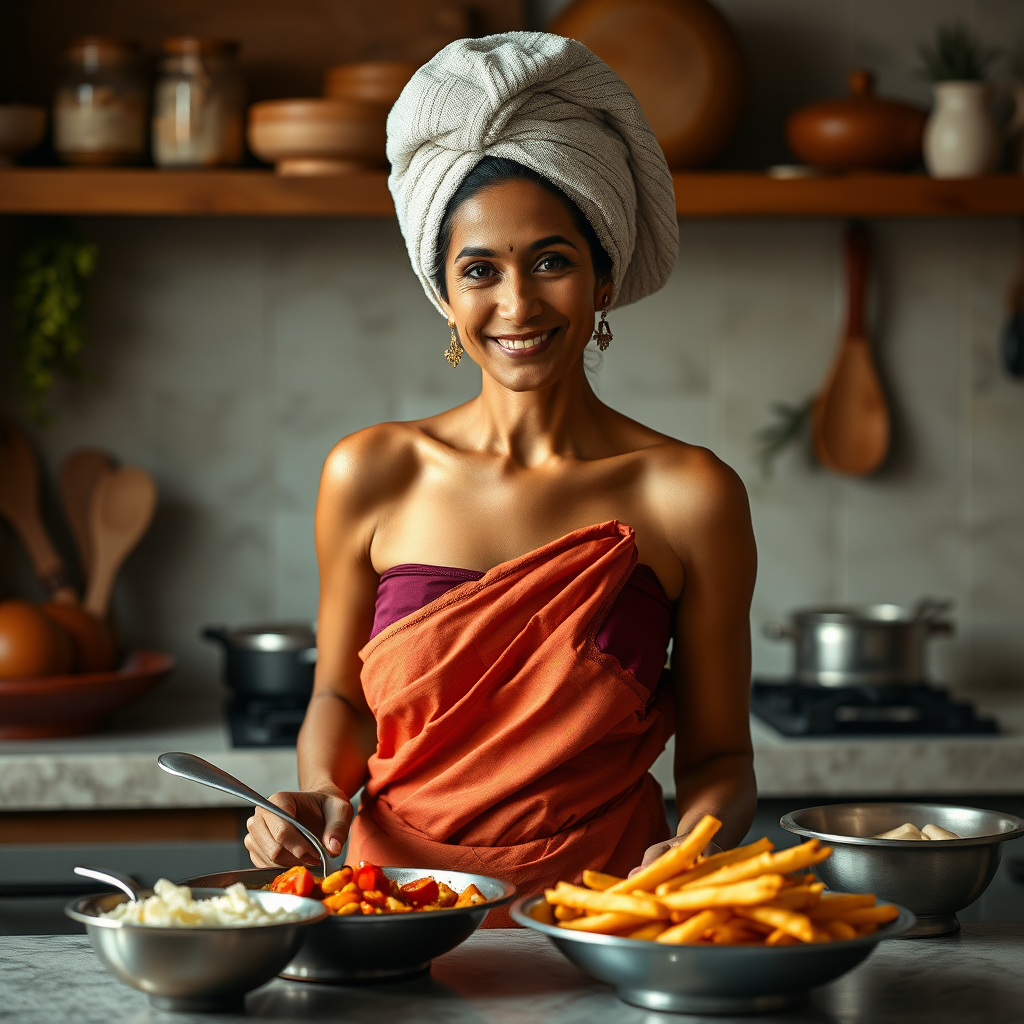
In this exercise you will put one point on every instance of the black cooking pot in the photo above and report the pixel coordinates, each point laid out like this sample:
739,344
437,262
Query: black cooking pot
274,661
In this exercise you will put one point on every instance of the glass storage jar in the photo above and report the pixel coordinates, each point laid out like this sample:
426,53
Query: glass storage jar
99,111
197,106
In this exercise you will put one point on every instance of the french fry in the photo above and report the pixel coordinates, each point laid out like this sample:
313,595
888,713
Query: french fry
832,905
567,913
674,860
757,890
604,924
693,930
799,897
788,921
713,863
586,899
866,929
872,915
648,932
599,880
781,938
840,929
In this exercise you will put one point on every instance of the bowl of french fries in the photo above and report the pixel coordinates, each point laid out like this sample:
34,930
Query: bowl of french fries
934,859
358,948
744,931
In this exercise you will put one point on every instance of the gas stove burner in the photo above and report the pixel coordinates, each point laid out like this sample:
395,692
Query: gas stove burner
265,723
797,710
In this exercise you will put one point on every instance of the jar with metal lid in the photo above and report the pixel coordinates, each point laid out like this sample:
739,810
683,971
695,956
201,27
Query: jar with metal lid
99,111
197,106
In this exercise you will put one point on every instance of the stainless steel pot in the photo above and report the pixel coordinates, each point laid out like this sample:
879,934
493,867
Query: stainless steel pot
267,661
863,645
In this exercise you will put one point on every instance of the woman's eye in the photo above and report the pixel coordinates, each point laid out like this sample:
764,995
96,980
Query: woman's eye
477,271
552,262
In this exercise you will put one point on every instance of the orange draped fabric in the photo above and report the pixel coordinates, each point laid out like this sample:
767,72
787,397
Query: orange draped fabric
508,744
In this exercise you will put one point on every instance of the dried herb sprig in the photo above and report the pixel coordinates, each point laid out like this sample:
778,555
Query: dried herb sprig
956,56
789,425
49,300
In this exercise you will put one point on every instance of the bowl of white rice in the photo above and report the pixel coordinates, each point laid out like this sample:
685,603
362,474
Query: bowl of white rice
196,949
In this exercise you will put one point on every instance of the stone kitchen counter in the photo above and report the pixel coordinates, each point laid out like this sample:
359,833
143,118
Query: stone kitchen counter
117,768
507,977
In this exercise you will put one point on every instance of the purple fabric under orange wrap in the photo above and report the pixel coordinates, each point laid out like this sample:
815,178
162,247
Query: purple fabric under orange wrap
508,743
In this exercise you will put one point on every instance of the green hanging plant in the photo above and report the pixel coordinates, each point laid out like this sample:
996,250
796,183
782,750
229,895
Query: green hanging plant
49,301
790,425
956,56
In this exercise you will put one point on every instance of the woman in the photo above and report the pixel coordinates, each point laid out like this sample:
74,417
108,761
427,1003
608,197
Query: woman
499,583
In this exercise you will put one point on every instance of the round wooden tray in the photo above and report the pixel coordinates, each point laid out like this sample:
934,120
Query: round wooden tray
52,706
680,58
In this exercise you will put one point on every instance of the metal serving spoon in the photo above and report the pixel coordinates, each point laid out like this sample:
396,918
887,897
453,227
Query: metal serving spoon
119,881
195,769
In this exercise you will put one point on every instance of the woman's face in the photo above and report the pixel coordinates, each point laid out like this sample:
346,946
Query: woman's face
521,285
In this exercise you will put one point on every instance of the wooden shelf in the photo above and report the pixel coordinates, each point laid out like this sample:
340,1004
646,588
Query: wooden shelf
256,193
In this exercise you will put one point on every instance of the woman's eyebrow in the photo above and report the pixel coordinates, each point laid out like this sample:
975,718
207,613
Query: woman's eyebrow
543,243
474,250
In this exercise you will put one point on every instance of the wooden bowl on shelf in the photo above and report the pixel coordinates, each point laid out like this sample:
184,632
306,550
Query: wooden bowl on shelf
21,128
370,81
47,707
318,136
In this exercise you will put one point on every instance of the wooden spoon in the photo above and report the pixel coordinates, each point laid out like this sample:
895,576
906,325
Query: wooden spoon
123,502
851,419
19,505
79,475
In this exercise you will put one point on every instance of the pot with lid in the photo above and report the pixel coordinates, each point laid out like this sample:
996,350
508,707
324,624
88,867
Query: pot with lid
863,645
267,661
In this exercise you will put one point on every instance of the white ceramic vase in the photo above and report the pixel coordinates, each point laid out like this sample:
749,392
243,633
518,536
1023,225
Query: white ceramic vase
961,138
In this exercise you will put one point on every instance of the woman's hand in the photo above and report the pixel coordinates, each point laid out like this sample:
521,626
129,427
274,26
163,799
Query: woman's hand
272,842
652,853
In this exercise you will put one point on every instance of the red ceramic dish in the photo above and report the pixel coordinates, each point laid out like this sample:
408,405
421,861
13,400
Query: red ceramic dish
71,705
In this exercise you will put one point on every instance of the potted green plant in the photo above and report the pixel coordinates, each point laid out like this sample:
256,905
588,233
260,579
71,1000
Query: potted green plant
961,138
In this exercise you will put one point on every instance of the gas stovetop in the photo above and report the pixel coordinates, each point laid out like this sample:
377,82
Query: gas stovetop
797,710
265,723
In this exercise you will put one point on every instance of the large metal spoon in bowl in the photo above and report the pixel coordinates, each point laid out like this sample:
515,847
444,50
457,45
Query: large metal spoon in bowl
195,769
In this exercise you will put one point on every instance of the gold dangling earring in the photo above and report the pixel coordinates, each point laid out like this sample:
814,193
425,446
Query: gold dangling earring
453,353
603,333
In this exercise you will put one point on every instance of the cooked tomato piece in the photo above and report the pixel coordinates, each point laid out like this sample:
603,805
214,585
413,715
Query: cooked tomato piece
420,892
298,881
369,876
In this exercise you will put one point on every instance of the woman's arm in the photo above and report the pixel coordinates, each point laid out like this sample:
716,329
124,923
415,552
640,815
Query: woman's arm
710,665
339,733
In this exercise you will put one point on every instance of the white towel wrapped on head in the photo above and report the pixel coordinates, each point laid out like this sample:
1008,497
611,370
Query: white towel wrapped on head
548,103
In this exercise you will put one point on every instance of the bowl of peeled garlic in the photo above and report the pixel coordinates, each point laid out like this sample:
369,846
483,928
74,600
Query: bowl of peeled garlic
934,859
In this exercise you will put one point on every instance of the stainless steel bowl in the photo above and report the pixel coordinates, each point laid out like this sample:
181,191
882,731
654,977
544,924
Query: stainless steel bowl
194,969
934,879
384,947
708,979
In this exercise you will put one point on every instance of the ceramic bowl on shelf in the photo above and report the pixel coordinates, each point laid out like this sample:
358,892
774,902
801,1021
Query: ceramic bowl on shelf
21,128
46,707
369,81
318,136
859,132
934,879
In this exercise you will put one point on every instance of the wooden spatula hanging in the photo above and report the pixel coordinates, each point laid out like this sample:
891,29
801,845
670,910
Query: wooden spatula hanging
19,505
851,420
79,475
123,502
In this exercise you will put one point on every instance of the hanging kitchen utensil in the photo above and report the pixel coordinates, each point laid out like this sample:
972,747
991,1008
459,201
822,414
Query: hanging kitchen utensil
195,769
851,419
19,505
122,507
79,475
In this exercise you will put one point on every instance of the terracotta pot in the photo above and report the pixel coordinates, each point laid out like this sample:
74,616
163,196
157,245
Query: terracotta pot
962,139
371,81
860,132
318,136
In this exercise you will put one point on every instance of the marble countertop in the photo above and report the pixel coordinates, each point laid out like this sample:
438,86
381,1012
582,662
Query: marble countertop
117,768
517,977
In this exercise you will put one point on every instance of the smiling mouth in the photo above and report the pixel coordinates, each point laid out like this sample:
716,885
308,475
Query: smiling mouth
523,346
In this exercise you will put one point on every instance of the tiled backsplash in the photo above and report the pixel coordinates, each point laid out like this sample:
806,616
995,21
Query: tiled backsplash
229,356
